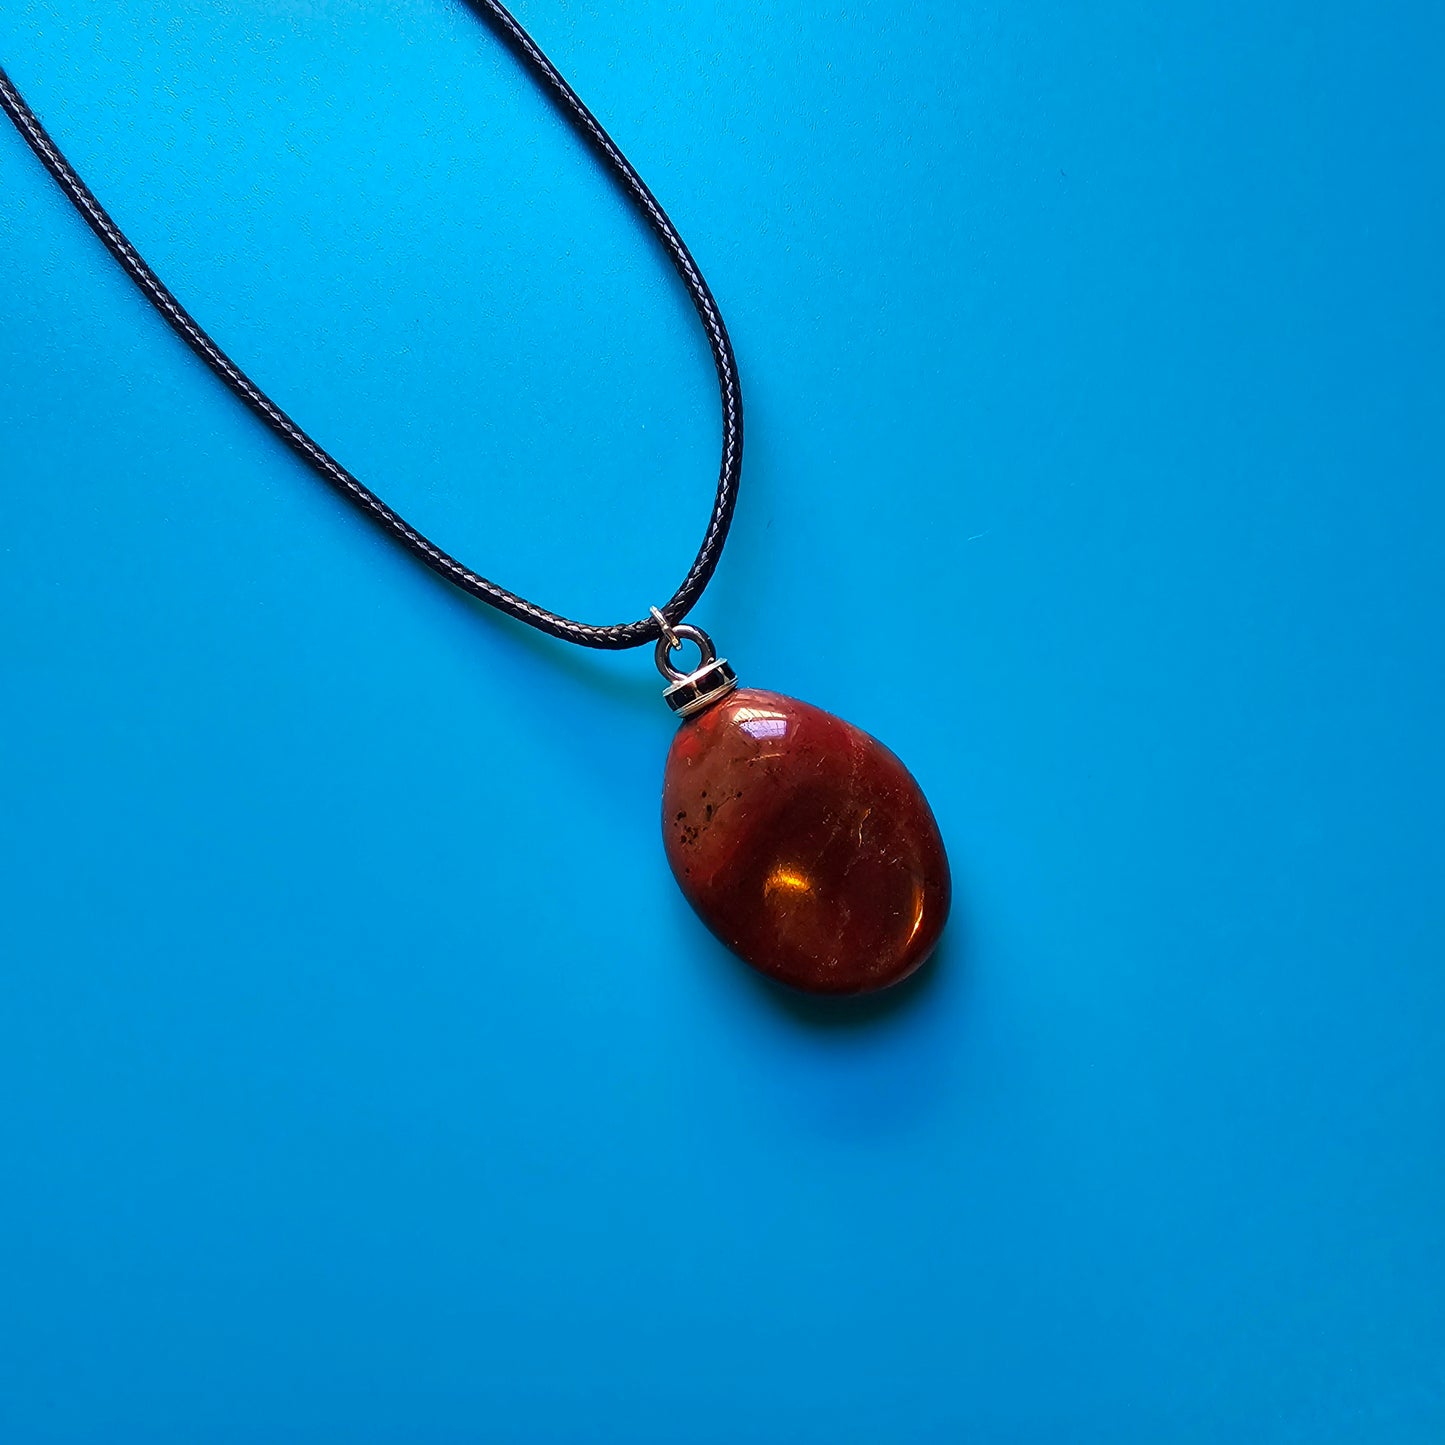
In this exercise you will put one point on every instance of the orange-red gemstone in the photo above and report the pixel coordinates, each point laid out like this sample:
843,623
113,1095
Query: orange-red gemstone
804,844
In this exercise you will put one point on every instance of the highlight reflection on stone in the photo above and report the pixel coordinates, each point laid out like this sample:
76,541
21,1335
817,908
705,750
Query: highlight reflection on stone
804,844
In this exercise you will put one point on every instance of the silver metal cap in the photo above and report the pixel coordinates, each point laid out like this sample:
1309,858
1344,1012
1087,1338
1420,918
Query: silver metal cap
700,689
690,692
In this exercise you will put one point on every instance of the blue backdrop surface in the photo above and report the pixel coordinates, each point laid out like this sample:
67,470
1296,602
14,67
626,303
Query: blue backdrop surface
365,1078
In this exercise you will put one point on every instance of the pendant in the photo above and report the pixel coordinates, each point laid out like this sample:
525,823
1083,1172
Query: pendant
800,841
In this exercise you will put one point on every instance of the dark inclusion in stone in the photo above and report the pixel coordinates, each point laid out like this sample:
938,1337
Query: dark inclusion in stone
804,844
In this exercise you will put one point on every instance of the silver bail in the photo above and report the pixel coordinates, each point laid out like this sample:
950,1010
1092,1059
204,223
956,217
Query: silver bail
690,692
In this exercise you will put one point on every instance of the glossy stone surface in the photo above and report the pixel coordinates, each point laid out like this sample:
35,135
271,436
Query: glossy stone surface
804,844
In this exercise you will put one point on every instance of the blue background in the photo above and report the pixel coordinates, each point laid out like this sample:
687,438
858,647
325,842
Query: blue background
364,1077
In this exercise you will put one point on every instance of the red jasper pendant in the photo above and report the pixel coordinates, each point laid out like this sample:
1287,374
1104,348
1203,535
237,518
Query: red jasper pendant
801,842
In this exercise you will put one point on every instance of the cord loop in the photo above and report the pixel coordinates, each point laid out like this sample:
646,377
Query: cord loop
589,129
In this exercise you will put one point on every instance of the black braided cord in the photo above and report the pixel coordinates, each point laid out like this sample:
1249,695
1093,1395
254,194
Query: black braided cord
618,636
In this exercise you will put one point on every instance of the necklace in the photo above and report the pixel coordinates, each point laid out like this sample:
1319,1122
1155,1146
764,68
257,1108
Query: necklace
803,843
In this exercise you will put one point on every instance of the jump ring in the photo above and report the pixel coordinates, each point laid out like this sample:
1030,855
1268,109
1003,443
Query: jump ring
684,631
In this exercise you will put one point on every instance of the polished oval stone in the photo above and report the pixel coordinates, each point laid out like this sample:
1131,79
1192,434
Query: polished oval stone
804,844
